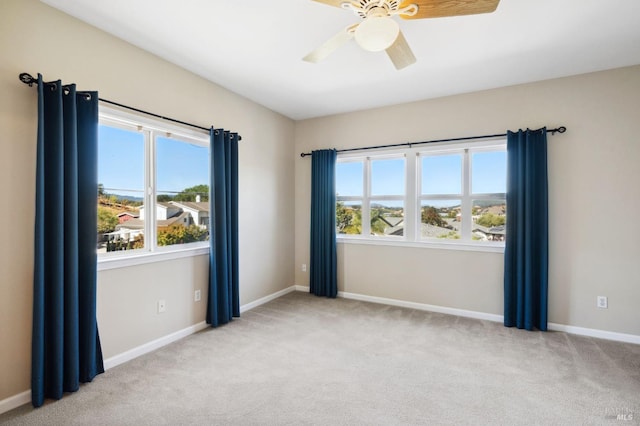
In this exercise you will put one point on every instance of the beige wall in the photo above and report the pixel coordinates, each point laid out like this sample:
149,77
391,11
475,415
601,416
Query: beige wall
593,190
35,38
127,302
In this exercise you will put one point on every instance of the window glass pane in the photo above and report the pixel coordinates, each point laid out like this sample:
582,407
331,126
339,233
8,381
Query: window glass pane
120,189
349,178
387,177
442,174
387,218
349,218
489,172
489,220
182,181
440,219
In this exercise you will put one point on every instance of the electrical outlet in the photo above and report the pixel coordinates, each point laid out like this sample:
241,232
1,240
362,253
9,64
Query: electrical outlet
304,267
602,302
196,296
162,306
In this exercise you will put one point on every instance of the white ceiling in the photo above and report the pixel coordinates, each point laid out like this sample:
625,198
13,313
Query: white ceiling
254,47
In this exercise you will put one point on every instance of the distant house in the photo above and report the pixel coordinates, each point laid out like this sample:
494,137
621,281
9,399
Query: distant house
164,211
395,225
172,213
125,216
494,233
199,211
123,234
427,230
180,219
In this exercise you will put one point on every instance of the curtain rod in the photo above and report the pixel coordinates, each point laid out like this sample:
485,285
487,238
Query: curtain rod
27,78
560,129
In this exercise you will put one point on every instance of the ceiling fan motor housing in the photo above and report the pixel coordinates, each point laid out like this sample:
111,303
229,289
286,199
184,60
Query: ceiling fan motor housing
365,7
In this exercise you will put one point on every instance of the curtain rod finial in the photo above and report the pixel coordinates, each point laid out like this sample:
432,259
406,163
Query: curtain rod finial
26,78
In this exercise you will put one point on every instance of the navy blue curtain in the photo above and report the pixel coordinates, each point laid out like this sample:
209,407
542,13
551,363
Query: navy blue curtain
322,266
224,300
65,343
526,249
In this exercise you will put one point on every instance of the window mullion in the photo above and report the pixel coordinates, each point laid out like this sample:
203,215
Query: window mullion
366,200
150,184
410,197
466,201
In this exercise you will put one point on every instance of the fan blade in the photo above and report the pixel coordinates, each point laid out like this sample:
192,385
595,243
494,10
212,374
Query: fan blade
329,46
400,53
443,8
336,3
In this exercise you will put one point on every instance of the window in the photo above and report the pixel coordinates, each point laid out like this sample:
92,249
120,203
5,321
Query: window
370,196
153,191
444,194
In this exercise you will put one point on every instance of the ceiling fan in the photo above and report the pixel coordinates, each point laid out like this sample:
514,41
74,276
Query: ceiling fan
378,31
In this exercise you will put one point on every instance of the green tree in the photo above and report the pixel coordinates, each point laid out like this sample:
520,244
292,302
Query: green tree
489,219
189,194
107,221
431,216
164,197
378,225
181,235
348,220
344,218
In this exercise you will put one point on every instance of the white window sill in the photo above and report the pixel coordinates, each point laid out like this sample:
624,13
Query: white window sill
124,260
444,245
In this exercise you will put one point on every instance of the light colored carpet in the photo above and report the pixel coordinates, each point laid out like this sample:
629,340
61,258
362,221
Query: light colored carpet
302,359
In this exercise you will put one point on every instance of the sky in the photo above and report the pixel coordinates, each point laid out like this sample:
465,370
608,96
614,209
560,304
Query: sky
121,163
441,174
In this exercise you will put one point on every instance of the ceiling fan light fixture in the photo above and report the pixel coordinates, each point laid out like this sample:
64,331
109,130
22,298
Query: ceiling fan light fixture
377,33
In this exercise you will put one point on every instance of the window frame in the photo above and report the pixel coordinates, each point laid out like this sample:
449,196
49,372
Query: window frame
150,128
413,197
366,199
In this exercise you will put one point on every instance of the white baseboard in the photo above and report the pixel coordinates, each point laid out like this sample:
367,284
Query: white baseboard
422,306
15,401
590,332
266,299
152,345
